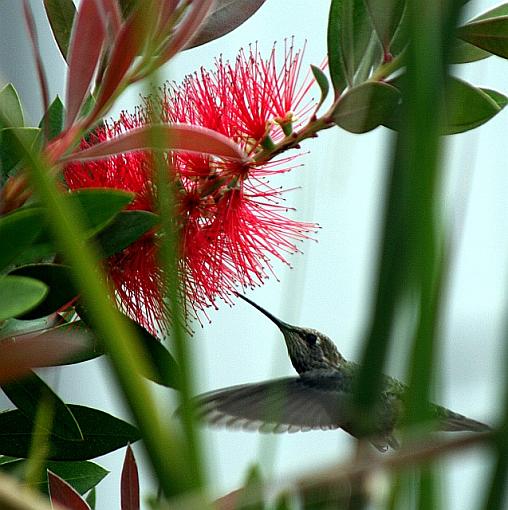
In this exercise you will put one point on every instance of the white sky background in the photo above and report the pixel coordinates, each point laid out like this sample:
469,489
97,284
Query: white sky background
331,285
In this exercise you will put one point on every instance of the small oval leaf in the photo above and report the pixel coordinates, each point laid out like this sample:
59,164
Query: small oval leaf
19,294
322,81
365,107
18,230
466,107
56,278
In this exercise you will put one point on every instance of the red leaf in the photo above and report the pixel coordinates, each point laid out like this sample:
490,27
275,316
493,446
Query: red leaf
188,28
113,14
19,354
166,10
126,47
62,493
87,38
168,137
129,488
41,75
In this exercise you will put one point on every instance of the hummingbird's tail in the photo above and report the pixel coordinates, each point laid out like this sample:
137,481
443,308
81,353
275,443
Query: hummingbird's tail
454,422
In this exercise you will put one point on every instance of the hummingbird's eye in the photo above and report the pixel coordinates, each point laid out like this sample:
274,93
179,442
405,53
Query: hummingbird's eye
311,339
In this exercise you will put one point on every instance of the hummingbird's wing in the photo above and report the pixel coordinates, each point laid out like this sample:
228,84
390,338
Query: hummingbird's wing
319,399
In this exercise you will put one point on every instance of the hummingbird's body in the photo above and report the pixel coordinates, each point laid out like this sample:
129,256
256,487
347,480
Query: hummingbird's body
320,398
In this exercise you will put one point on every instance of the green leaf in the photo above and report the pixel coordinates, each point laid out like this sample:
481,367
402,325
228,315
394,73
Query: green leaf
349,32
55,277
322,81
466,107
463,53
102,433
365,107
500,10
61,16
9,156
500,99
100,205
26,394
90,499
54,118
37,252
82,476
19,294
489,34
18,230
11,113
386,16
127,227
164,369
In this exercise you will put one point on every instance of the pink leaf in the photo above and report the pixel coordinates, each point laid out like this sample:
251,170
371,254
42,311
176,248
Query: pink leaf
21,353
167,137
126,47
34,39
113,14
129,487
87,38
62,493
166,10
188,28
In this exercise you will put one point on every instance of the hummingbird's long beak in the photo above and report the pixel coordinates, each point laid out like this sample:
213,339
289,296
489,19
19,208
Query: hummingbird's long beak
280,324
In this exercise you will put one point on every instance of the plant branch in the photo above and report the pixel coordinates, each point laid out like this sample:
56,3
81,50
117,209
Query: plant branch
412,454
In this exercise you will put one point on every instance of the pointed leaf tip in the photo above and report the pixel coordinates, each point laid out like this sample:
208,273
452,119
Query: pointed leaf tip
62,493
87,38
129,487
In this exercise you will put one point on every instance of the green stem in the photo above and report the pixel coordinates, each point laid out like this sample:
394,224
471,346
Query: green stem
126,354
388,68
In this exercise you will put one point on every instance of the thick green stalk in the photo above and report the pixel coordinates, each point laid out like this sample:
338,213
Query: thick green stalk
121,342
409,258
173,292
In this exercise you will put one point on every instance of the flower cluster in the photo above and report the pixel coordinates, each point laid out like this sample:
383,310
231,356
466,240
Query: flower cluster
230,220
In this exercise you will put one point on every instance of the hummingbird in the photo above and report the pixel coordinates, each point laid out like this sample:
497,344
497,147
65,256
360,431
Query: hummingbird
319,397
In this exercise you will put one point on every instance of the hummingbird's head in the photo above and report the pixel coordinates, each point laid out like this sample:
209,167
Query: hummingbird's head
308,348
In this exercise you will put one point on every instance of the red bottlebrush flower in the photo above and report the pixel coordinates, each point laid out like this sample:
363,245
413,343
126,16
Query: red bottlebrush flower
230,220
249,101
